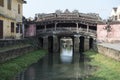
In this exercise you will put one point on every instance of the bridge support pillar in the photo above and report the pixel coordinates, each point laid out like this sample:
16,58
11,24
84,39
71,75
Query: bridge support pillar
76,44
86,44
55,44
45,42
95,45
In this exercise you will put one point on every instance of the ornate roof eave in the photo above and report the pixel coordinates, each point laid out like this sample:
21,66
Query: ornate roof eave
82,21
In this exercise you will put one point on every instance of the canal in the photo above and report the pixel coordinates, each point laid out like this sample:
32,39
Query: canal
65,65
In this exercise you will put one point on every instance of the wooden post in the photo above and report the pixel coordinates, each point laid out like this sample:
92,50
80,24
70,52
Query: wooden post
55,26
77,28
45,28
87,27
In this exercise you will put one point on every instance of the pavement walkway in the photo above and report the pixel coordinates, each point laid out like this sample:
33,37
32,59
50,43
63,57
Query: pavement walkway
115,46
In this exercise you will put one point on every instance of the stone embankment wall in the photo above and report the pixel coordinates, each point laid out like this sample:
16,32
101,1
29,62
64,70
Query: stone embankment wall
109,52
7,43
10,49
13,53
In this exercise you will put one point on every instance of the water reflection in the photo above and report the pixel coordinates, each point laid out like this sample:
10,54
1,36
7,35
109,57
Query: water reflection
58,66
66,54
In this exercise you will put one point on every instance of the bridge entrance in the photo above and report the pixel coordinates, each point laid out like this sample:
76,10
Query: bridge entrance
40,43
50,44
81,44
90,43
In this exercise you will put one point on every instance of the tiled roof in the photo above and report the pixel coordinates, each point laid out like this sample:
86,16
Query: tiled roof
115,9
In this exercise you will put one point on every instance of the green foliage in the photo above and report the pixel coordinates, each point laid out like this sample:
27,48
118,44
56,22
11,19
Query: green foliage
108,69
9,69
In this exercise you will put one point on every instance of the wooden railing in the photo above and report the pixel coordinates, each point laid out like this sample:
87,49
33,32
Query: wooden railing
65,29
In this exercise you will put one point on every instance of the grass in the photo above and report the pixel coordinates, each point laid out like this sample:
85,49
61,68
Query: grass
108,69
9,69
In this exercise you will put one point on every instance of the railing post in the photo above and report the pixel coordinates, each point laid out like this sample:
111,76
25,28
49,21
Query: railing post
77,28
55,26
45,28
87,27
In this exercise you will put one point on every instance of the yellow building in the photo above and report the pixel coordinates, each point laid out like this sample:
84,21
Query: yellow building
11,12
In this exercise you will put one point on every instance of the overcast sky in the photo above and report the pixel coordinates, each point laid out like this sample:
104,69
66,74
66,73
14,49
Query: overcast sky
103,7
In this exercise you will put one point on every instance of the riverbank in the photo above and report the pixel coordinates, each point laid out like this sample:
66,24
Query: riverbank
12,67
107,68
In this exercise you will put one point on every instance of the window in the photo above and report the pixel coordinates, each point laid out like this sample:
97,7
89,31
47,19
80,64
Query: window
2,3
18,8
115,17
12,26
9,3
17,28
21,29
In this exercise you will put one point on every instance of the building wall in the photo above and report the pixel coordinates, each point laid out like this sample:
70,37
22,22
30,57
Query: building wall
8,16
7,28
112,36
13,13
30,30
118,13
115,14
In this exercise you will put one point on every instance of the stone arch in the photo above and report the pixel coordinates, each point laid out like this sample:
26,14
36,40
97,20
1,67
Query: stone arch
50,43
59,38
90,43
81,44
40,43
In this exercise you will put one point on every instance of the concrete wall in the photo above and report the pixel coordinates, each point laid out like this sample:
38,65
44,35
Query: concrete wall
109,52
112,36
